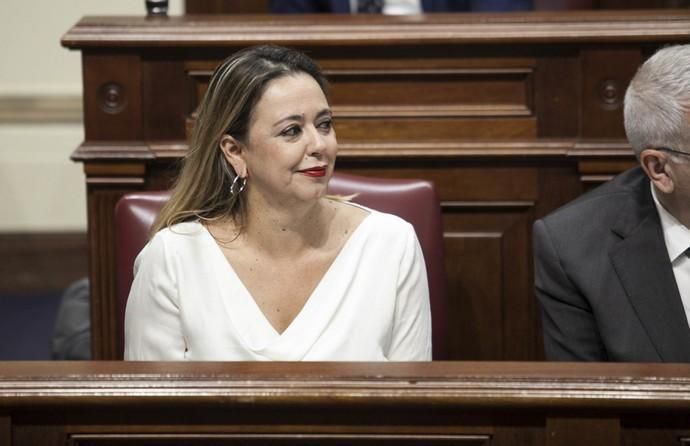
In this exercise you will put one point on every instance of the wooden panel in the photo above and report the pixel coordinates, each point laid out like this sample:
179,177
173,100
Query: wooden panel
447,90
421,99
488,280
659,436
5,430
104,188
518,303
391,129
474,287
36,434
558,96
112,97
607,75
578,431
638,430
168,94
101,205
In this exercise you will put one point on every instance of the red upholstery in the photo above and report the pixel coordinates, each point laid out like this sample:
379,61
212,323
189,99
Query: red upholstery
413,200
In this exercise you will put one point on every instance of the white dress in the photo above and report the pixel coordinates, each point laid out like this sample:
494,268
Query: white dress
187,303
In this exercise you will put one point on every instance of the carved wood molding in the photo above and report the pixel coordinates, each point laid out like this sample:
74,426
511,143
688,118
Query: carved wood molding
427,111
438,384
320,30
120,151
282,438
495,205
541,147
599,161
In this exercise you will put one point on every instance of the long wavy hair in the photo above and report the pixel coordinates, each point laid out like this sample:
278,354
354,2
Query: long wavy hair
202,190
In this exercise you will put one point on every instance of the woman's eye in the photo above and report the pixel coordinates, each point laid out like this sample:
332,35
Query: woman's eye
326,125
291,131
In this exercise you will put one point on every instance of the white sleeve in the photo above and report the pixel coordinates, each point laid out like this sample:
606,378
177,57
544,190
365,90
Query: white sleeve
153,330
411,340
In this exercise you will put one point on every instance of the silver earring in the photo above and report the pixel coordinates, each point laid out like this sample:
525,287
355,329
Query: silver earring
239,186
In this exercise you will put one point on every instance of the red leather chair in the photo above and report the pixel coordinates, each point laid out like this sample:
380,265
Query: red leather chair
413,200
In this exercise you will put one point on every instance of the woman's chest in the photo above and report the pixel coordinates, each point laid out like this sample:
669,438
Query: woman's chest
281,287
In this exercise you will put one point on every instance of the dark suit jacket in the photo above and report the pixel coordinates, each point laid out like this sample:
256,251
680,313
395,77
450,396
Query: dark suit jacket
343,6
604,279
72,336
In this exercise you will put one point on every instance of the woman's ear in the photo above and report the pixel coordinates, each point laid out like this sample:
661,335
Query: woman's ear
655,164
233,151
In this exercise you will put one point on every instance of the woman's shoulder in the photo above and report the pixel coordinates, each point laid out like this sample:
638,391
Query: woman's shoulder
174,236
180,231
377,221
181,240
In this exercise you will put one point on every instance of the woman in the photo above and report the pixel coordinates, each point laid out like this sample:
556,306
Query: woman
251,260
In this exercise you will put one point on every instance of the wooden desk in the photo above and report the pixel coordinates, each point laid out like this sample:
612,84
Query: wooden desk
455,403
511,115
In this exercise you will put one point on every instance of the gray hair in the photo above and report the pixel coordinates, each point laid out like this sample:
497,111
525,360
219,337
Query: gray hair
657,102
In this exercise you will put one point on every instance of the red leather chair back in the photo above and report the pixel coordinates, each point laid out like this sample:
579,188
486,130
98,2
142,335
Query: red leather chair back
413,200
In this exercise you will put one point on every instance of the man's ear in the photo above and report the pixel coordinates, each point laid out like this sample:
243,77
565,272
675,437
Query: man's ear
233,151
655,165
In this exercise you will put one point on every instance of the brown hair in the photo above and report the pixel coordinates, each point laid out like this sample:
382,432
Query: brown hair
203,187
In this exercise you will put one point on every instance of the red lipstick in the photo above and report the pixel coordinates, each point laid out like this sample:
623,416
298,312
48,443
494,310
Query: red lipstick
315,172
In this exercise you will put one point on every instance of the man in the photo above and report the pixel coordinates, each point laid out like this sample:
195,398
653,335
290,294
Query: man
72,336
397,7
612,271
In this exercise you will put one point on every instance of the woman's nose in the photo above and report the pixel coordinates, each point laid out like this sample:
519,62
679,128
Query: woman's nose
317,143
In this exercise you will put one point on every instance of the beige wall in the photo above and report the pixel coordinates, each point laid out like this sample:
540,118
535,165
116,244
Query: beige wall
41,190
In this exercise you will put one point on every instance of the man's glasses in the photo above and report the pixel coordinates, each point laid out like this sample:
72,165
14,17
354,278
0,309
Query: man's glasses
666,149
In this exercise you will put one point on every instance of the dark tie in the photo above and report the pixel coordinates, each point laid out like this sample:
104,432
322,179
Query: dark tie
369,6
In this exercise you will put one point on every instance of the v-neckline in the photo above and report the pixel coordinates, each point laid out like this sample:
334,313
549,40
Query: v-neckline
249,302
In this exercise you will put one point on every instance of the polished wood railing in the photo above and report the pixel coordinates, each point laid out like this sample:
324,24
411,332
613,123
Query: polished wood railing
441,403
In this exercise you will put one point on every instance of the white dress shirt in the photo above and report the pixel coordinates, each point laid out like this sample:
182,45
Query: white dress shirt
677,238
187,302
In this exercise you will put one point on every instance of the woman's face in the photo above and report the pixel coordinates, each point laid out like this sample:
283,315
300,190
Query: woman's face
291,146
